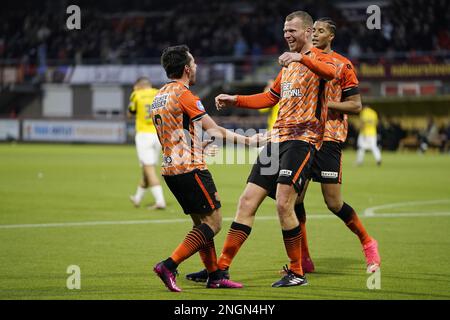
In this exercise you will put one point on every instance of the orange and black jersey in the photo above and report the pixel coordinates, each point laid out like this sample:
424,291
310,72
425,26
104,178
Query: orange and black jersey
175,111
302,93
345,85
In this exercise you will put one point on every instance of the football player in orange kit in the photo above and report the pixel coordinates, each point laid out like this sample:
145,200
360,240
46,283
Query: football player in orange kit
179,117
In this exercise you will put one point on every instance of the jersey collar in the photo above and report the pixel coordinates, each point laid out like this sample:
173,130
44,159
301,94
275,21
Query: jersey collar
179,82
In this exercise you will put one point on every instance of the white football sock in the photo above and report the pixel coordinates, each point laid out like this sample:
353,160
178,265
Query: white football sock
376,153
140,193
360,155
157,192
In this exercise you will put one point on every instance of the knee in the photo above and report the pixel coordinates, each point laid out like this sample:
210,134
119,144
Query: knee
245,203
283,207
333,204
246,211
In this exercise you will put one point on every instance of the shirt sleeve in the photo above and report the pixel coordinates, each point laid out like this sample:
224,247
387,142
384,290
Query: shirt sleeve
322,65
257,101
192,106
348,80
275,89
262,100
132,105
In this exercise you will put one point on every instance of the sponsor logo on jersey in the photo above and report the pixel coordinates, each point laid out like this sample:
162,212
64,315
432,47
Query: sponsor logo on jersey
288,92
160,101
329,174
285,173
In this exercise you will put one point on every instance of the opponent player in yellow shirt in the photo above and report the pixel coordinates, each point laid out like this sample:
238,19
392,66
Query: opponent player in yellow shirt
148,146
367,139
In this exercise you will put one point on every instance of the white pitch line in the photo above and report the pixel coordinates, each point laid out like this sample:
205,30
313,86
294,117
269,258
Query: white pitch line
89,223
371,211
162,221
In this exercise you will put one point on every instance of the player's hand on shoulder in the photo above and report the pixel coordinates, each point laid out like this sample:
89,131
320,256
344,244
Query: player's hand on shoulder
225,100
288,57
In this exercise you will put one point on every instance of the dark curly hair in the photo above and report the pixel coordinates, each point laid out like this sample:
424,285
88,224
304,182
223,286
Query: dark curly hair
174,59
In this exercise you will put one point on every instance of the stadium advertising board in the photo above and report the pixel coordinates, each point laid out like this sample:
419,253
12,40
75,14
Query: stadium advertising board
83,74
416,71
119,74
74,131
9,129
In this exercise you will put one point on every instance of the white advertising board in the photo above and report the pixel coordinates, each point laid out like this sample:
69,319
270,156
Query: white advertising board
57,100
74,131
83,74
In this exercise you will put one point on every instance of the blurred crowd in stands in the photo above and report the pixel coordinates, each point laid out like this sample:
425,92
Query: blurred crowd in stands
116,31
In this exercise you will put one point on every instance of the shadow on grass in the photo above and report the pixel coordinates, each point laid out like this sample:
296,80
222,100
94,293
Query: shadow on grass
335,266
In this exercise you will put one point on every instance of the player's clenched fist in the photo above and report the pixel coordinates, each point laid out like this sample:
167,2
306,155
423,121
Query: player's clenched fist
286,58
210,149
225,100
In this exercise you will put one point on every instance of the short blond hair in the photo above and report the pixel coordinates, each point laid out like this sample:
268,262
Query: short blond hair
306,19
143,81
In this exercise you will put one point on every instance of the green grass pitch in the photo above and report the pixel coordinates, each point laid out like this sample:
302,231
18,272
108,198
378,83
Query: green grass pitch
44,188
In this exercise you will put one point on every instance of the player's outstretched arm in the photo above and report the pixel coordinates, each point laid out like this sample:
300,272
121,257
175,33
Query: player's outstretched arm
263,100
350,105
219,132
255,101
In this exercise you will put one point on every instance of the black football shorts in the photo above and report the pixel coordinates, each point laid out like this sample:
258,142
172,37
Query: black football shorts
327,164
288,162
195,191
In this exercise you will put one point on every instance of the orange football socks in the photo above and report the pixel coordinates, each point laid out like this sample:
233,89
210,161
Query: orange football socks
236,236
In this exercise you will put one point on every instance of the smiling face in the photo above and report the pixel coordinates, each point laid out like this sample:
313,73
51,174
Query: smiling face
296,34
322,35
